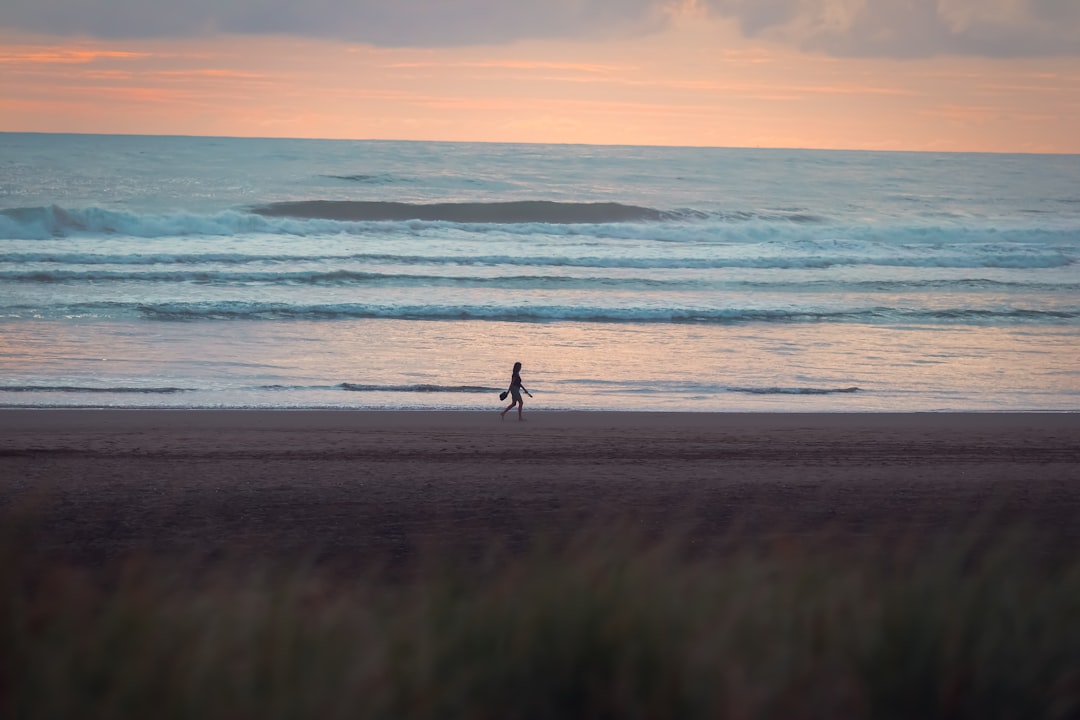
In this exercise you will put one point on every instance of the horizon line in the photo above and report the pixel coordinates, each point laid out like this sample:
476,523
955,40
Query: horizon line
536,143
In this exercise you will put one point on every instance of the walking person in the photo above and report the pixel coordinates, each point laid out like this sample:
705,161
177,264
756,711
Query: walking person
515,390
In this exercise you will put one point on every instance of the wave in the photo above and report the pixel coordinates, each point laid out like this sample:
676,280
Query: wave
505,213
340,278
423,388
368,178
84,389
418,388
256,311
351,387
793,239
794,390
698,388
597,315
971,257
309,218
348,278
515,212
772,390
56,222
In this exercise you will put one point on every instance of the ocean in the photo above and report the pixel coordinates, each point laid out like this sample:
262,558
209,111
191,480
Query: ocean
189,272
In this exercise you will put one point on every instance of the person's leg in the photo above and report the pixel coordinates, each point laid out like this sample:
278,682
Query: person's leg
521,406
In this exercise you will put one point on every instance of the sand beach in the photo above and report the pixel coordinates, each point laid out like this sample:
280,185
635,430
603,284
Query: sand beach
350,487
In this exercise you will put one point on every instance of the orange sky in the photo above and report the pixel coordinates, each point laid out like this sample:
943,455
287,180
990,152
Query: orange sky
694,79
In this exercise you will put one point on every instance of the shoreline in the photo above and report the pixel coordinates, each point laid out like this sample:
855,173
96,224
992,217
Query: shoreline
556,413
356,487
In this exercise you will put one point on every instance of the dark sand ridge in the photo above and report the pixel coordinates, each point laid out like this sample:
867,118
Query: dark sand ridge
353,487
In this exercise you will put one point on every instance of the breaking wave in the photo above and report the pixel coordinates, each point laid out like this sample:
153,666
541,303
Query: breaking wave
506,213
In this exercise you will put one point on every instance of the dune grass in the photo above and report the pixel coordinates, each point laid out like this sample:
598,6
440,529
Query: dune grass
607,625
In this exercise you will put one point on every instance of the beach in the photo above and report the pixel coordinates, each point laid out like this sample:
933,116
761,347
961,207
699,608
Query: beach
349,488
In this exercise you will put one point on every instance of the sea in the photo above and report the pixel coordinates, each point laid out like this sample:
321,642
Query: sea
198,272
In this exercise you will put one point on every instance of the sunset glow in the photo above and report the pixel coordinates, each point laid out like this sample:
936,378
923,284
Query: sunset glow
691,77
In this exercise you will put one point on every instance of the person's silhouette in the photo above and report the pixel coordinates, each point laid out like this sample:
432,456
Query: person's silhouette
515,390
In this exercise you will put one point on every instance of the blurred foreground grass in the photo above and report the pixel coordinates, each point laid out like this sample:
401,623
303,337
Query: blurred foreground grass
605,625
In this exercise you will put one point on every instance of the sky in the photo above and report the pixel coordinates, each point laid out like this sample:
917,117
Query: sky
933,75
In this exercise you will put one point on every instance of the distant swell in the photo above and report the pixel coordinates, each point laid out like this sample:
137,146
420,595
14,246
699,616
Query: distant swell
532,211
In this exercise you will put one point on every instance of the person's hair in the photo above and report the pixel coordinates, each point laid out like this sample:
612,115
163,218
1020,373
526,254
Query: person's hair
517,366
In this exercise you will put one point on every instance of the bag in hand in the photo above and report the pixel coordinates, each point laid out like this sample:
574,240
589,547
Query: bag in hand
503,394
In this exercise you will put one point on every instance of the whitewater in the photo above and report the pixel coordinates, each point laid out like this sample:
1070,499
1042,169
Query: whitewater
225,272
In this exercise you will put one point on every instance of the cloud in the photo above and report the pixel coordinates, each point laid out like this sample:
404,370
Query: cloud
844,28
912,28
388,23
65,56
